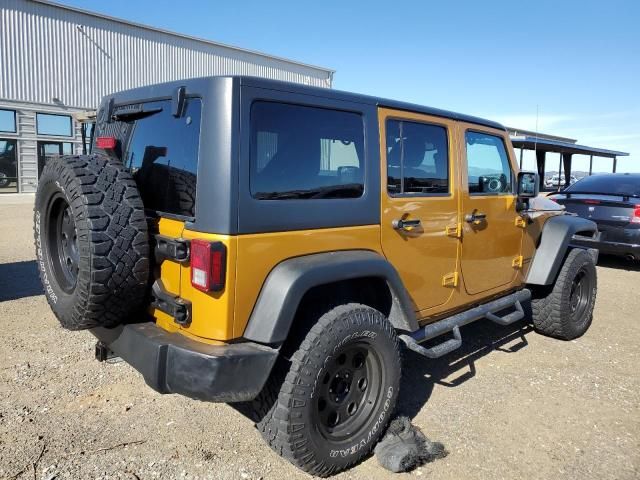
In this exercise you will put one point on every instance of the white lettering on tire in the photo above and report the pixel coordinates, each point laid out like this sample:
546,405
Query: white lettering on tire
41,263
364,441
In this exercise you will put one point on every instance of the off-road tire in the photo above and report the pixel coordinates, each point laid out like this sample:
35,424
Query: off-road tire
293,427
101,200
551,307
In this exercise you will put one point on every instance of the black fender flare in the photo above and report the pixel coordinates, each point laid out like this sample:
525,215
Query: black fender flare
286,284
555,241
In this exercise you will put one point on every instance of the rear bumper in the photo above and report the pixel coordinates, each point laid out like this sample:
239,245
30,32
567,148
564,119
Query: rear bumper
173,363
611,248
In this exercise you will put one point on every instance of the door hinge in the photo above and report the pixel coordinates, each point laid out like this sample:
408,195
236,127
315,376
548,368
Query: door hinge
169,248
517,262
521,222
450,280
172,305
454,231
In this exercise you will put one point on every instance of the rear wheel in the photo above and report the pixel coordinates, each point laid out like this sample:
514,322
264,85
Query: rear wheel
565,310
339,393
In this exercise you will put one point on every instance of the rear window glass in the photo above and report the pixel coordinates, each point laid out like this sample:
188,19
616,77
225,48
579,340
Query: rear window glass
607,185
300,152
161,151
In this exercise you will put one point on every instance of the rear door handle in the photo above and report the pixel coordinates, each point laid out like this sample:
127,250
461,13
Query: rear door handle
406,225
475,217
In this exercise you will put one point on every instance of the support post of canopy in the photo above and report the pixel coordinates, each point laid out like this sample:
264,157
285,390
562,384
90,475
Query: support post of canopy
615,164
540,159
557,187
521,151
590,165
566,160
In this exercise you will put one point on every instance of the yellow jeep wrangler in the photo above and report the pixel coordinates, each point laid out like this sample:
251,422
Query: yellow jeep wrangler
237,239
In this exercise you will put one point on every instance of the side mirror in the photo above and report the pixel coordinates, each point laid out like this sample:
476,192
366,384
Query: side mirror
528,185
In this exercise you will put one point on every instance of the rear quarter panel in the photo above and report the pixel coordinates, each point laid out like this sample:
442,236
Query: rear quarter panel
257,254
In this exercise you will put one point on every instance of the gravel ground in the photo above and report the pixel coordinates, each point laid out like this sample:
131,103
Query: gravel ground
509,404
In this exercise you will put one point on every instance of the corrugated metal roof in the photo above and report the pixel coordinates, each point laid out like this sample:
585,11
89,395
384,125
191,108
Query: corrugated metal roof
56,55
177,34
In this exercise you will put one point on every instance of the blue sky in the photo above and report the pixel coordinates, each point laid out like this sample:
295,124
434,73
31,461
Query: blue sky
578,62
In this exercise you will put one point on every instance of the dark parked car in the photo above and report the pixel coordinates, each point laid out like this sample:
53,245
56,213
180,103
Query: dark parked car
613,202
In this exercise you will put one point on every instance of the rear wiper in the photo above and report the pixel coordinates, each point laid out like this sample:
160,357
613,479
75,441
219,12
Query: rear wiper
136,114
321,192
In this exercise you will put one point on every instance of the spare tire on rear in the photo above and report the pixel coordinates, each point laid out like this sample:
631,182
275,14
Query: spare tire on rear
92,243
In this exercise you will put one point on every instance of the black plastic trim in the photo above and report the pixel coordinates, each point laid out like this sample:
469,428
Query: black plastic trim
173,363
556,237
178,101
287,283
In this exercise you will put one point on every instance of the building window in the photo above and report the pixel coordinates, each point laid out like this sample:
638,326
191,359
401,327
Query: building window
8,121
56,125
8,166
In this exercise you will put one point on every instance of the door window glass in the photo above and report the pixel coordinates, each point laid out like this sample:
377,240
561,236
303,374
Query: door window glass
488,165
57,125
417,158
300,152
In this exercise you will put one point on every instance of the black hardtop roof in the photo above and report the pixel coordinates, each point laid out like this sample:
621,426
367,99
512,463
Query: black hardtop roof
199,84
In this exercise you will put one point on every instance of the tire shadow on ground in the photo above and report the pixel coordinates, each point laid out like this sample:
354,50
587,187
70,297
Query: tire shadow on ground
420,374
19,280
479,338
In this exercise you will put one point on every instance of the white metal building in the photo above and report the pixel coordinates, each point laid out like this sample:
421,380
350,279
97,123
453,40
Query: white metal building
56,60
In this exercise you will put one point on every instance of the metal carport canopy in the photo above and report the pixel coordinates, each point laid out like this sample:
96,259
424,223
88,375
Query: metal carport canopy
547,145
565,149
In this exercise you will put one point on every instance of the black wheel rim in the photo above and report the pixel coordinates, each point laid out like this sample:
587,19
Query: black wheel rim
350,389
62,241
580,294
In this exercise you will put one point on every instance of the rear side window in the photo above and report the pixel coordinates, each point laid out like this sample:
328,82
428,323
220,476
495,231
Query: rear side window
608,185
488,165
417,158
300,152
161,151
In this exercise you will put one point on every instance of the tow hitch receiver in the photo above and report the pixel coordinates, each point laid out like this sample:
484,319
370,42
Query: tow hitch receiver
102,352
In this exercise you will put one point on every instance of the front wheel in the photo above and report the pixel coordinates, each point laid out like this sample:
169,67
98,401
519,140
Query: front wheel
566,310
339,393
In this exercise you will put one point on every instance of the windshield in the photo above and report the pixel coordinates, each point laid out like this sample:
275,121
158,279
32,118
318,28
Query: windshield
627,185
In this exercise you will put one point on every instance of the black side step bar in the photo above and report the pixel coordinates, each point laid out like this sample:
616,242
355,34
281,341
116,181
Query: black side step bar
454,322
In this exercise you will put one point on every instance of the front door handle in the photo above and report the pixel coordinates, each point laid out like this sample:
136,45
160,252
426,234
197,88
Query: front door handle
406,225
476,217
